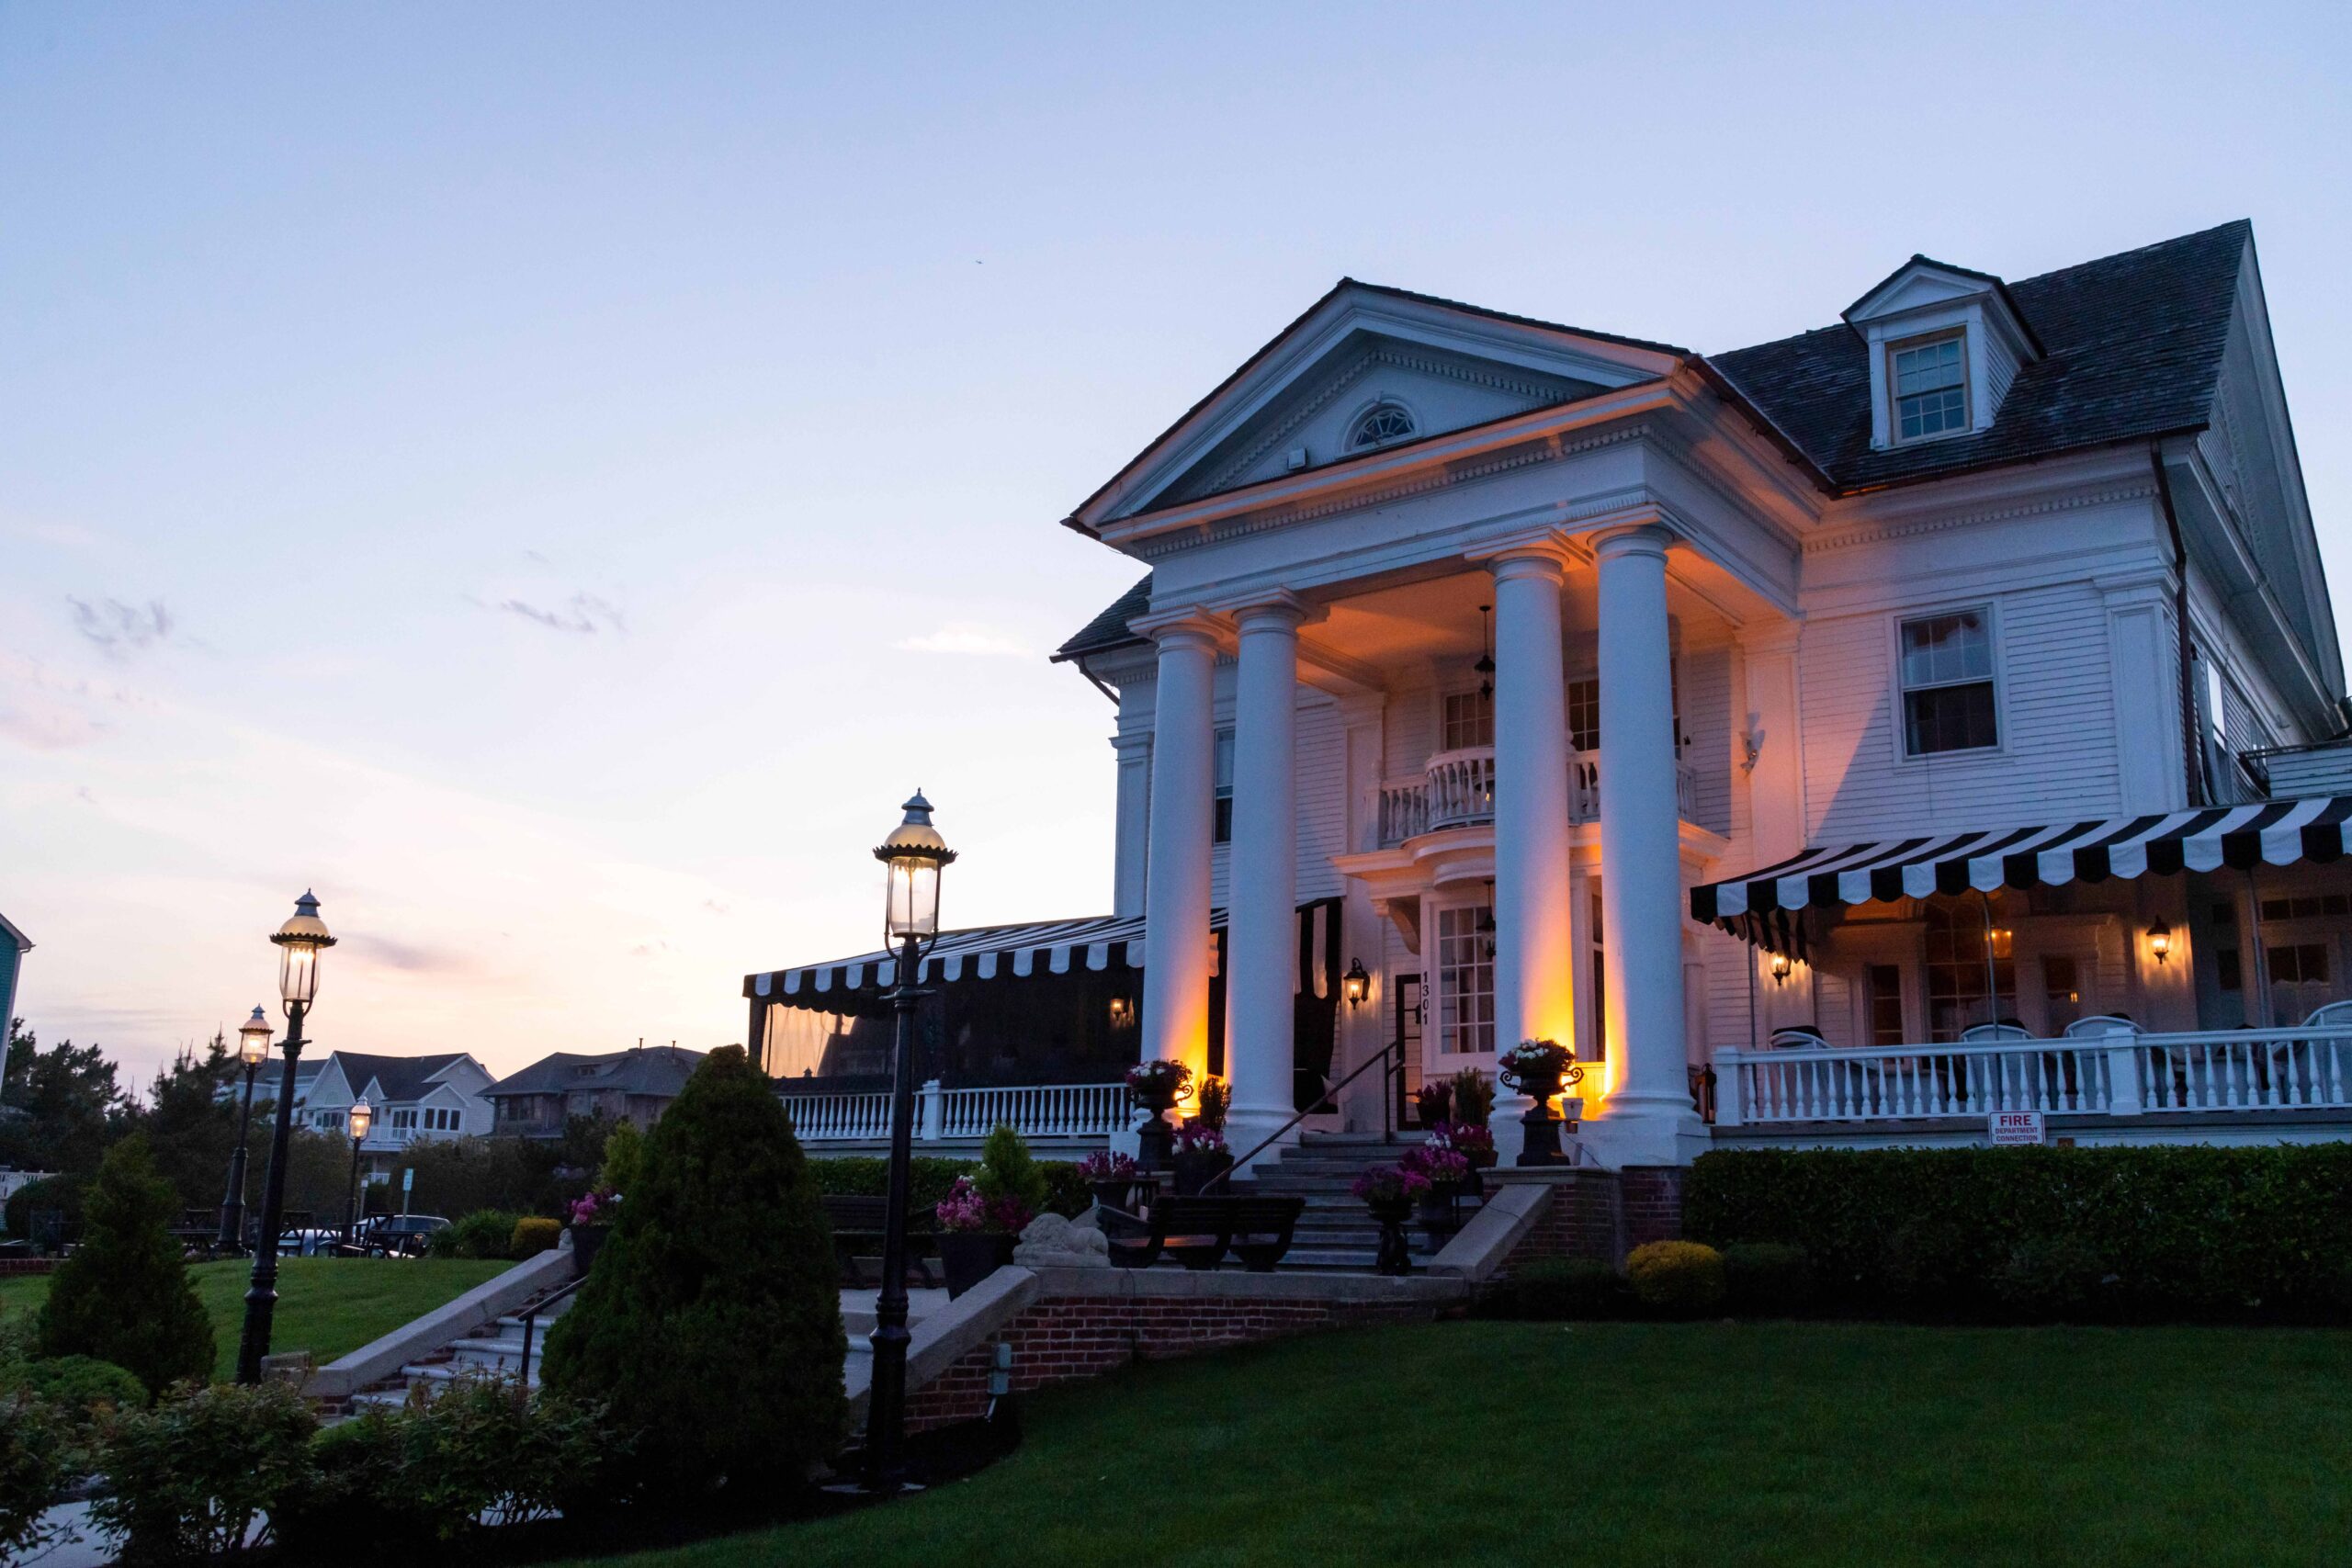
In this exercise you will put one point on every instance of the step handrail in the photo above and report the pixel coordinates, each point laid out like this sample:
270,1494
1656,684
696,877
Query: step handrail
530,1330
1387,1132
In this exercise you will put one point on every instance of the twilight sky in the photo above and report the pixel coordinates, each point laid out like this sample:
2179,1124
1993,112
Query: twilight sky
553,477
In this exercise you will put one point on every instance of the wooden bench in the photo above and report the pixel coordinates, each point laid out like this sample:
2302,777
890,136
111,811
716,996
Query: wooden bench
857,1224
1199,1231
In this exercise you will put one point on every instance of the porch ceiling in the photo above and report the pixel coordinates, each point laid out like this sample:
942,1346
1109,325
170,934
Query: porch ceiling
1435,619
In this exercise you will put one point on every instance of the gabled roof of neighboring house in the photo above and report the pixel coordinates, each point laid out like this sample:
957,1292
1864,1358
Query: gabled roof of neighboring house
401,1077
15,938
2132,350
654,1070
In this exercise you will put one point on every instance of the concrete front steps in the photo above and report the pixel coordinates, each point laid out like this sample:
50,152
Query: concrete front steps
1336,1232
495,1347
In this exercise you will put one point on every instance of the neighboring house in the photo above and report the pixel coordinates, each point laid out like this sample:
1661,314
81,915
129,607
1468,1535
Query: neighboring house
622,1086
13,945
412,1098
1958,672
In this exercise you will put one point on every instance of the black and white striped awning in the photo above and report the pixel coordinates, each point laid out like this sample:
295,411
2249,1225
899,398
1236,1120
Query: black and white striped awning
1022,952
2279,832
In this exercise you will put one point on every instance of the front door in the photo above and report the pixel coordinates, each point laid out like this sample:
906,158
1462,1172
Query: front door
1408,1036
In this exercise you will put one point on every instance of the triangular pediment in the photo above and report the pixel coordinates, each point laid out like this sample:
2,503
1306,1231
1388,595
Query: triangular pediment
1369,369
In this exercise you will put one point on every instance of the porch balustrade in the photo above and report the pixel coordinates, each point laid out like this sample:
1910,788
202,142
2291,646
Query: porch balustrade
1456,789
2110,1074
1035,1110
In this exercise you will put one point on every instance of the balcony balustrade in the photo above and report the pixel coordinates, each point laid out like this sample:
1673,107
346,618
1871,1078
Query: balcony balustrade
1456,789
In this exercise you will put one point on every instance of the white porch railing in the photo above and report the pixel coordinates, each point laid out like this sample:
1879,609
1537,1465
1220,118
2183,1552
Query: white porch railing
1457,788
2113,1075
1035,1110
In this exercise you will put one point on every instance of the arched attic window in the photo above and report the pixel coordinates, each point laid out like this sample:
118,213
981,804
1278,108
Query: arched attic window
1381,424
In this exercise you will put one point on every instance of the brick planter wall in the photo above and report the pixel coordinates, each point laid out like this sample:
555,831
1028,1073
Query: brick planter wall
1603,1214
1060,1338
10,1267
1653,1195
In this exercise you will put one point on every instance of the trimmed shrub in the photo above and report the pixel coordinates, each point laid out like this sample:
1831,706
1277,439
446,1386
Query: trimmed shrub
930,1177
624,1160
83,1386
1767,1279
1007,1170
1552,1290
2048,1278
532,1236
124,1295
2185,1233
711,1323
187,1478
63,1193
1067,1193
1679,1278
485,1233
35,1463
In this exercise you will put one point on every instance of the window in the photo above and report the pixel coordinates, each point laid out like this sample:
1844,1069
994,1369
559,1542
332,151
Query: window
1948,683
1930,381
2061,992
2226,973
1600,988
1956,961
1469,720
1466,974
1221,830
1882,986
2302,963
1584,714
1379,426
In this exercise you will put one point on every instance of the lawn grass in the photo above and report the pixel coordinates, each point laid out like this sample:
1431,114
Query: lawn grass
1735,1445
325,1305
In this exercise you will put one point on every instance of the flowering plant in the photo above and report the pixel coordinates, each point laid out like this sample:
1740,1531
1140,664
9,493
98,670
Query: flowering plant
1103,1165
966,1208
1538,1062
1196,1137
1469,1137
1442,1167
1160,1077
595,1208
1389,1183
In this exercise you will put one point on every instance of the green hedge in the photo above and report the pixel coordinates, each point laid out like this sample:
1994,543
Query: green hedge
2037,1233
868,1176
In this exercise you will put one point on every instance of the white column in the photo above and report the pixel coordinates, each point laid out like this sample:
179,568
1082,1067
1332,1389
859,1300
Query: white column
1261,944
1534,958
1649,1119
1133,822
1176,876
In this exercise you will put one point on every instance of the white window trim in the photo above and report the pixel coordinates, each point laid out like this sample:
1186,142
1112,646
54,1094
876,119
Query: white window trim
1433,1026
1895,346
1898,741
1445,694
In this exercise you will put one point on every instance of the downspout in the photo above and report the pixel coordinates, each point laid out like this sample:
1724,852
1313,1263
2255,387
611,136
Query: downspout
2191,754
1095,679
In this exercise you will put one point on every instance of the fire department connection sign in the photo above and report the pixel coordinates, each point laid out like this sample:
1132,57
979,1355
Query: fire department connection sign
2010,1127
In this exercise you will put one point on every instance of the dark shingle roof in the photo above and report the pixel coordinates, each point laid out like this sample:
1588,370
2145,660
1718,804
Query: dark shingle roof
401,1077
1109,629
657,1070
2133,345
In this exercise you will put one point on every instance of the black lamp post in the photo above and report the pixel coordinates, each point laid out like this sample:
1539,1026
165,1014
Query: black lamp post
355,1122
299,942
252,1050
915,854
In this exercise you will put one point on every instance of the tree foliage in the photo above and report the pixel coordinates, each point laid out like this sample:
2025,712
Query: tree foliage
711,1323
71,1105
124,1295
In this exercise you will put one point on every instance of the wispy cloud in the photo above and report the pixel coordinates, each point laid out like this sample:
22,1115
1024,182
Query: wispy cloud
121,629
968,638
583,612
51,712
412,958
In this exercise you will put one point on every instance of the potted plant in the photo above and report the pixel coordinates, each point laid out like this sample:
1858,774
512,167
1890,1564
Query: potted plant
1390,1192
1157,1086
1539,1068
1474,1096
1473,1141
592,1215
1112,1179
1448,1175
1201,1154
977,1233
1433,1102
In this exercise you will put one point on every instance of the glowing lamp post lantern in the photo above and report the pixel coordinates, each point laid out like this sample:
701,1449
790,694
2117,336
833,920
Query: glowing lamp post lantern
252,1050
357,1121
299,942
914,855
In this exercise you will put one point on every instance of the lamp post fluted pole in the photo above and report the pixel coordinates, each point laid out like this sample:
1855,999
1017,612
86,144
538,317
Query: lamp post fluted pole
299,941
233,1202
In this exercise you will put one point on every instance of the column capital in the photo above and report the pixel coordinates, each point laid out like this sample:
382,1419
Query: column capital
1647,537
1525,554
1276,609
1191,625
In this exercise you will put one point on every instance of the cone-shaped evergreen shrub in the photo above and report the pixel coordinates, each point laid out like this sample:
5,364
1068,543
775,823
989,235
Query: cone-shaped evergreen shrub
711,1323
124,1295
1007,1170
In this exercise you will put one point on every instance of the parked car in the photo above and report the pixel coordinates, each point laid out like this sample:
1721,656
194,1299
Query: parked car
397,1236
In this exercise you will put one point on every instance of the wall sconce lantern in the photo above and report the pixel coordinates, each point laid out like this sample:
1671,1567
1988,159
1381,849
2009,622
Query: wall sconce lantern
1119,1010
1781,967
1355,985
2160,941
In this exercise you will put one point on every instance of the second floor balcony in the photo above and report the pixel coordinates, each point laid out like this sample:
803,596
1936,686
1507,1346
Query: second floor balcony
1456,789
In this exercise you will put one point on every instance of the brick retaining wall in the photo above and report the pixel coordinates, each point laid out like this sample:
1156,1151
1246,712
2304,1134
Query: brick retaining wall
1603,1214
10,1267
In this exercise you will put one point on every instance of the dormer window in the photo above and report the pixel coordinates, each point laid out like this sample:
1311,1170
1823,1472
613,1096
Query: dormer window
1383,425
1930,381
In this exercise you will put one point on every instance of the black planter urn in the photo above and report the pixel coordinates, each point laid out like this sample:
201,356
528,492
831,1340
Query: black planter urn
967,1257
1394,1255
586,1241
1194,1171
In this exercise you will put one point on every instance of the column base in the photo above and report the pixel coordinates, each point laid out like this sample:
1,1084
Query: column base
1247,1126
1504,1122
1662,1133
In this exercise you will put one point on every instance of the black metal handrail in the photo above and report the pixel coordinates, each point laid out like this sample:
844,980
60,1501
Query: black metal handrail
1388,1131
531,1326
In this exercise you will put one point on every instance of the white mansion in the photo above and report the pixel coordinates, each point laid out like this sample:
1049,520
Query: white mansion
1845,738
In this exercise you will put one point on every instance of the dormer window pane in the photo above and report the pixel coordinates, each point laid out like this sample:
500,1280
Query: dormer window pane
1931,389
